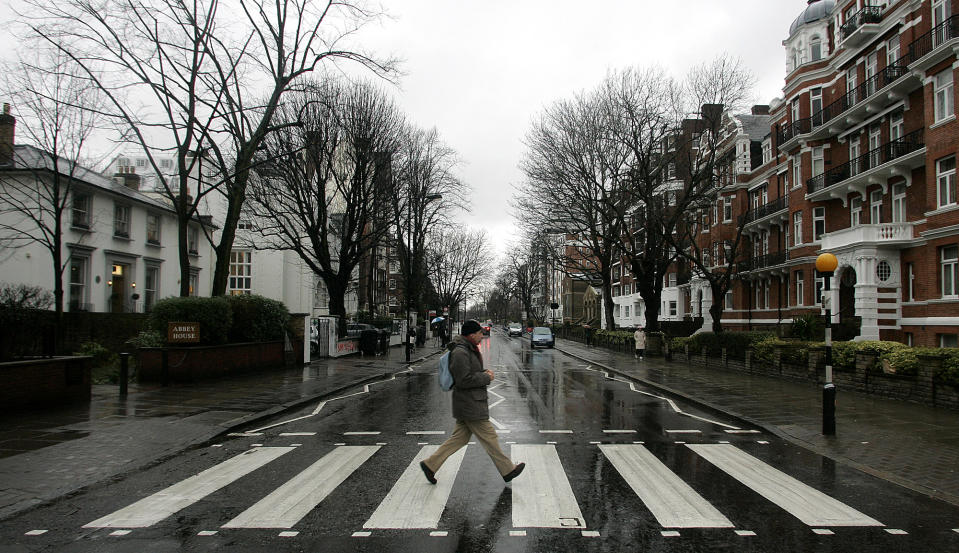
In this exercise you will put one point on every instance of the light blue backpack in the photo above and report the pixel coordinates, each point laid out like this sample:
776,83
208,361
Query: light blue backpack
443,374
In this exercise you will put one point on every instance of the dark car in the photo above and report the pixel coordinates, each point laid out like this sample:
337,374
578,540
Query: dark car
542,336
487,327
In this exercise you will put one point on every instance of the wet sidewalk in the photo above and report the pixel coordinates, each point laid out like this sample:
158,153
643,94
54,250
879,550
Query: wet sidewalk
910,444
46,454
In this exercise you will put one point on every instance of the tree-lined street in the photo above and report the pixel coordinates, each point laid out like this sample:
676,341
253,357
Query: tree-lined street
612,466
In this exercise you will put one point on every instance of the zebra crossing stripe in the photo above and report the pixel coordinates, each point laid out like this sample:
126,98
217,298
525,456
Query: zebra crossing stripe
289,503
413,502
150,510
809,505
671,500
542,496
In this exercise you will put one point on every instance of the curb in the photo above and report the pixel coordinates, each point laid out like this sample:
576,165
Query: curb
889,477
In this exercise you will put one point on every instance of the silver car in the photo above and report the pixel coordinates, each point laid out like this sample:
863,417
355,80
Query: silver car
515,329
542,336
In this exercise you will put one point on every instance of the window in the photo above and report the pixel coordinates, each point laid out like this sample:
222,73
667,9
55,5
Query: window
727,209
78,282
150,287
943,95
244,224
872,65
898,203
875,158
818,223
141,162
121,220
855,211
795,110
797,228
815,105
854,161
672,308
767,151
626,311
193,240
799,288
392,284
715,214
949,256
892,51
194,283
851,84
672,280
166,163
815,49
81,211
797,172
817,161
153,228
940,12
766,288
759,295
910,339
819,288
946,181
897,127
729,299
875,207
910,283
949,341
883,271
241,272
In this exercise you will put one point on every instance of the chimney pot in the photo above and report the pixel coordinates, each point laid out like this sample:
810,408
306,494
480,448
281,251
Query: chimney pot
8,124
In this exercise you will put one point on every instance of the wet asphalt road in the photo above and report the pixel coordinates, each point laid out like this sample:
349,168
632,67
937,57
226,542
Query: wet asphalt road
582,434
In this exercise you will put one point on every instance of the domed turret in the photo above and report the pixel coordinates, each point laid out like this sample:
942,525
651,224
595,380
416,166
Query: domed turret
816,10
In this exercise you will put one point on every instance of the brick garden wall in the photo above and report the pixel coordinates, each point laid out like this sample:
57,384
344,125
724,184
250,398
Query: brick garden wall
44,382
187,364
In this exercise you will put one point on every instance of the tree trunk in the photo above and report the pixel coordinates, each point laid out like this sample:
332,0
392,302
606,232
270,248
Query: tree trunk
716,309
221,273
652,297
608,305
183,226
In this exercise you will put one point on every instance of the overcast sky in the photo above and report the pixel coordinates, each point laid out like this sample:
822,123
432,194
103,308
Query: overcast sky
479,70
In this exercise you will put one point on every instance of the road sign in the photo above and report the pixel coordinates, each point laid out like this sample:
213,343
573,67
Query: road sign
182,332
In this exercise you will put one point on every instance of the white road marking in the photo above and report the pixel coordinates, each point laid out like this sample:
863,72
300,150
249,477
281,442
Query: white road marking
762,442
217,445
295,445
671,500
35,532
745,533
823,531
426,433
517,533
555,431
362,534
670,534
288,534
497,403
741,431
624,431
590,533
684,431
152,509
543,498
439,534
120,532
245,434
413,502
292,501
319,407
297,433
809,505
496,423
206,533
551,443
362,433
896,532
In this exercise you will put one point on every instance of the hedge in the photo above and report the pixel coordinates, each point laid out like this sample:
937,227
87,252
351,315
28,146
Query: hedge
257,318
213,314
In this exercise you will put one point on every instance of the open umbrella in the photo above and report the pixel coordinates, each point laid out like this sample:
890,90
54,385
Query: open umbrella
438,320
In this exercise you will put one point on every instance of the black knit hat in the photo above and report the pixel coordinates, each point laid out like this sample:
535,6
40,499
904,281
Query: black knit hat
470,327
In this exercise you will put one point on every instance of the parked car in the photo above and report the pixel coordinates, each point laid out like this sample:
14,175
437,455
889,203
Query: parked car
542,336
515,329
353,330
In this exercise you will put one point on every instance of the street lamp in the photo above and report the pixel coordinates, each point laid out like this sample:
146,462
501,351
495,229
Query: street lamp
409,263
826,264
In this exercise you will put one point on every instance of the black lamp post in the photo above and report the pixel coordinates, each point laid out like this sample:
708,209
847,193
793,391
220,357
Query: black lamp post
409,264
826,264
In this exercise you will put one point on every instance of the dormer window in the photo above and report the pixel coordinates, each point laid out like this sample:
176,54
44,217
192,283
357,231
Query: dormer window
815,49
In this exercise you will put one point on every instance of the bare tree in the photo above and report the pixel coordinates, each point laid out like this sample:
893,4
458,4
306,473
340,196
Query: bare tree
460,262
574,186
324,190
521,275
58,113
197,81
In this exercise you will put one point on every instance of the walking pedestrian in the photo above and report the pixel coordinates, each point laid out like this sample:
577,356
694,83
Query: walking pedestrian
588,330
640,337
470,407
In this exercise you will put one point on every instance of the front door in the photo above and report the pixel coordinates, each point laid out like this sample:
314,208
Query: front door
118,288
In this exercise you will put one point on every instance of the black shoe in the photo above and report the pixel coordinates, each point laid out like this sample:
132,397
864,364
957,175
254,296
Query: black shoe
429,473
515,472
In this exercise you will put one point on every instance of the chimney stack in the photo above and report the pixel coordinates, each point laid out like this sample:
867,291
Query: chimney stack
761,109
8,125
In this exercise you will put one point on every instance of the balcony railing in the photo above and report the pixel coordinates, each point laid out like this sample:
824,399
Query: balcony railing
887,234
869,14
945,31
871,159
778,204
763,261
877,82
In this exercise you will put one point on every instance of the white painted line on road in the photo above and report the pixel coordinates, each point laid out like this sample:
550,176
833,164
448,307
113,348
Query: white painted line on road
619,431
823,531
206,533
590,533
740,431
413,502
340,443
679,442
671,500
639,442
152,509
295,445
297,433
439,533
762,442
35,532
543,498
288,534
497,403
380,443
896,532
120,532
803,502
362,534
517,533
422,443
363,433
470,443
745,533
426,433
555,431
496,423
319,407
551,443
684,431
502,431
245,434
595,443
289,503
217,445
256,445
956,530
670,534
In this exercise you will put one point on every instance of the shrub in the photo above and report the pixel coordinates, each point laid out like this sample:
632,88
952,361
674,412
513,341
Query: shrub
102,357
736,343
808,327
213,314
256,318
146,339
679,343
764,349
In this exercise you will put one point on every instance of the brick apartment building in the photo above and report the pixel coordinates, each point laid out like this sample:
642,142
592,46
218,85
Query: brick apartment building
859,160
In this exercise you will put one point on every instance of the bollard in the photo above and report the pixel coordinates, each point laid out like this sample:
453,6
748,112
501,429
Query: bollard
124,373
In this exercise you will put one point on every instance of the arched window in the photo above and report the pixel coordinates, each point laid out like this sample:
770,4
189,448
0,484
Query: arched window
815,49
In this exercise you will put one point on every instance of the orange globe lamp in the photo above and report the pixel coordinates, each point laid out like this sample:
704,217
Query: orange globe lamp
826,263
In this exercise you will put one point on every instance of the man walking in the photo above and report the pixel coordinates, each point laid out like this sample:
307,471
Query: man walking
470,408
640,337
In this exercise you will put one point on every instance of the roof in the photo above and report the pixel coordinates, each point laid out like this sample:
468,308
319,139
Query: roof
816,10
756,127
